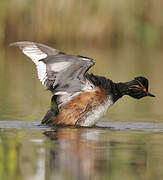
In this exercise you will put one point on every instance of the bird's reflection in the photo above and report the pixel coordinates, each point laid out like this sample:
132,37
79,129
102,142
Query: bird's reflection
77,153
86,153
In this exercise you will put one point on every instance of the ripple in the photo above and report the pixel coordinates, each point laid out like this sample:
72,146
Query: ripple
136,126
21,125
116,126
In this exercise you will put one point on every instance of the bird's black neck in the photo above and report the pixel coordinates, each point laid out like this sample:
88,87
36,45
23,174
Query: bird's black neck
116,90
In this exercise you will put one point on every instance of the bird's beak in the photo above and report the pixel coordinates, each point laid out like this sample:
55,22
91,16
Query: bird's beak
149,94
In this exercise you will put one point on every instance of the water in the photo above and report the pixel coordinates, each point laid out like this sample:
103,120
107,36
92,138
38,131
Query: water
109,151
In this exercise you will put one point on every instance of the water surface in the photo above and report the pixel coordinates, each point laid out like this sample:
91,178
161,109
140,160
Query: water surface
109,151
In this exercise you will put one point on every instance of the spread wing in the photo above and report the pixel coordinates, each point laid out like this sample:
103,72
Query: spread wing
59,72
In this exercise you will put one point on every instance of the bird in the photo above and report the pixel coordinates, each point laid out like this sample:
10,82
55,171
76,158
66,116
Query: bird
79,98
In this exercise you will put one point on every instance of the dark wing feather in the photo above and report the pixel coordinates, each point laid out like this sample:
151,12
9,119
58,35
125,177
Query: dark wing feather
61,73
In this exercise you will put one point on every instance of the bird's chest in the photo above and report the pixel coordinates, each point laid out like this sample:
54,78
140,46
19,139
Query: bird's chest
85,109
91,117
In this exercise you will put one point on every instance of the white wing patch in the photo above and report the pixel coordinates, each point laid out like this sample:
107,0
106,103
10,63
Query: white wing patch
33,52
88,86
41,69
85,59
59,66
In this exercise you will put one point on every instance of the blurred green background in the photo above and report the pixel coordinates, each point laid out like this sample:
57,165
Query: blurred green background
125,39
109,24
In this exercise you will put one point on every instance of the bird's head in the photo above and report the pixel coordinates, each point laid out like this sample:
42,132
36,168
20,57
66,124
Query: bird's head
138,88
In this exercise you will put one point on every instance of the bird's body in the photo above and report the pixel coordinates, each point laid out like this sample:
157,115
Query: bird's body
84,109
79,98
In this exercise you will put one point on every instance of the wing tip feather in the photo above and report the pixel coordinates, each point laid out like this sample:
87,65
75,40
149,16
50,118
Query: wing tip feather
21,43
13,44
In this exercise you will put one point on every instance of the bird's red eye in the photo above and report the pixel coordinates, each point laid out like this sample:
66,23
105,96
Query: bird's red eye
144,90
